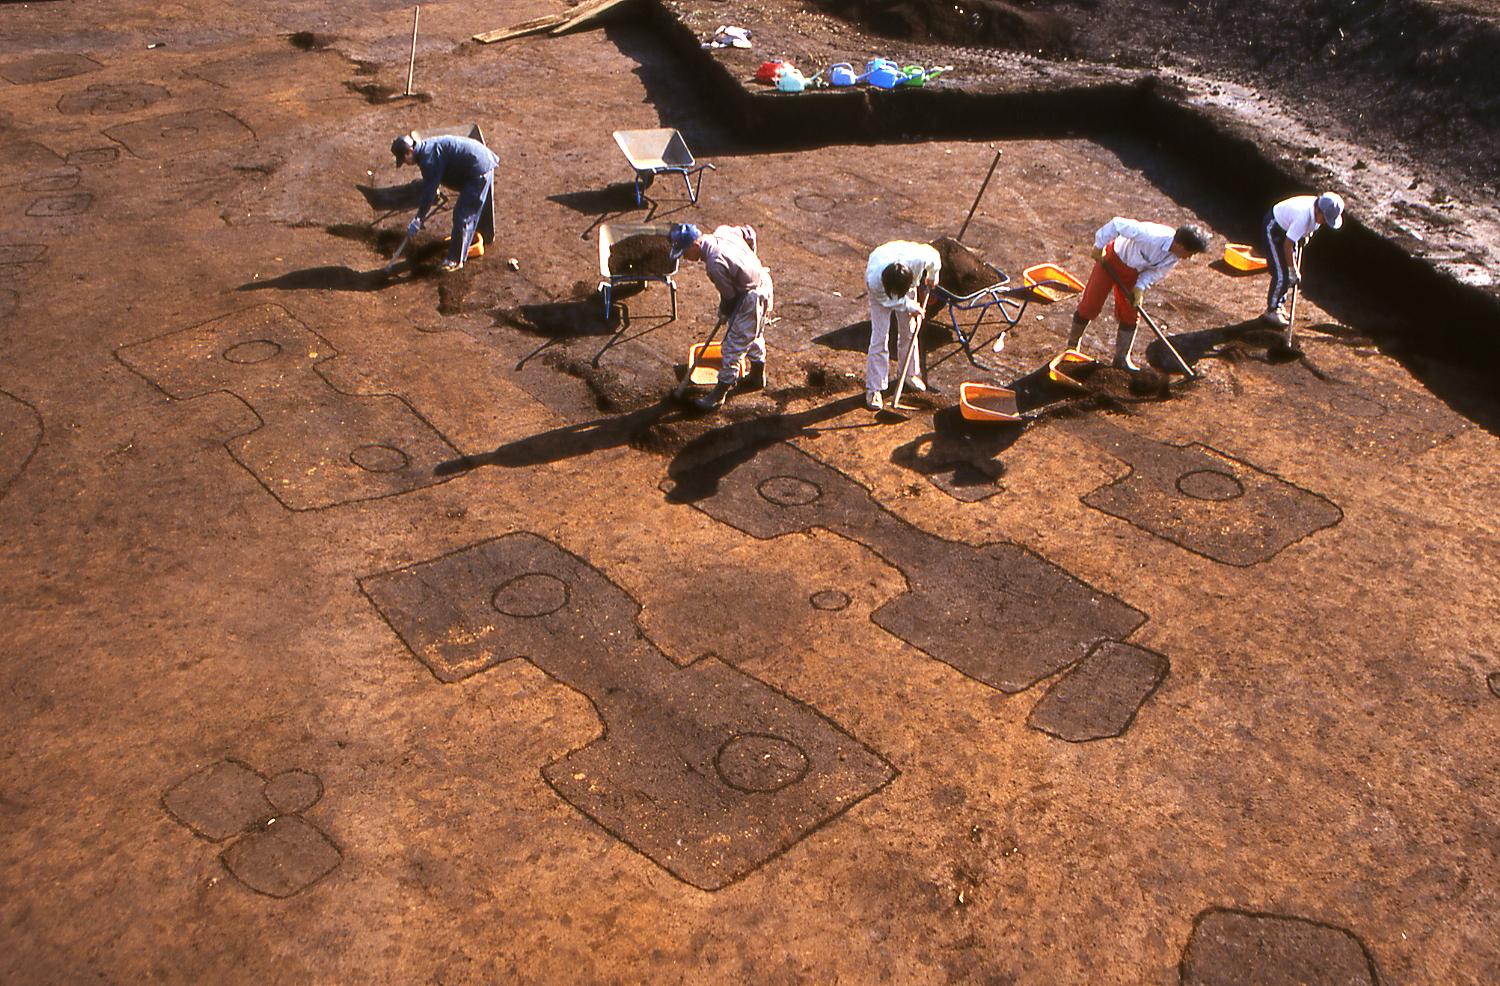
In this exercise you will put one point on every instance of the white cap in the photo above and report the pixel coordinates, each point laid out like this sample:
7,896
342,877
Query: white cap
1331,208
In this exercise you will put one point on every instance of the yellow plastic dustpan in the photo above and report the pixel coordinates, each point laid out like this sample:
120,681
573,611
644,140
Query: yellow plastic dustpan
706,363
1069,359
476,249
1242,256
986,402
1050,282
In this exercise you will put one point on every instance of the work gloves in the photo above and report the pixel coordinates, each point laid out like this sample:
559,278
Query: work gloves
1097,253
1293,279
727,307
1136,294
414,227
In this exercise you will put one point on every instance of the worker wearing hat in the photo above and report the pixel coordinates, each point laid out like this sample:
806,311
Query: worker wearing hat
745,299
460,163
1130,256
1290,224
897,273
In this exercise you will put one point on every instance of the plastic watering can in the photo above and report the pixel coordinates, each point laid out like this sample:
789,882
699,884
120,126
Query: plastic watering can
883,74
916,75
770,71
842,74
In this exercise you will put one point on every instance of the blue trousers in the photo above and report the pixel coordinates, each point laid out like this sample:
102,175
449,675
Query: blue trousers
472,199
1273,242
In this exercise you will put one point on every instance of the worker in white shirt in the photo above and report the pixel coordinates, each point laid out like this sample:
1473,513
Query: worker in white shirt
1137,254
898,279
1291,223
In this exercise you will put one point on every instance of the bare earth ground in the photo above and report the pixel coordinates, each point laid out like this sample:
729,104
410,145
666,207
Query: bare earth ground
368,631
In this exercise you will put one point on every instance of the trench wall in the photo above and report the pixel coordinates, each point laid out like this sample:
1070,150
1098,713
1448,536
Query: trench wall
1422,310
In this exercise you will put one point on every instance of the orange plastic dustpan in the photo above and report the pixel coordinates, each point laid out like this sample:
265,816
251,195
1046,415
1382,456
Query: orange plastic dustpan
986,402
1050,282
1242,256
1060,367
706,363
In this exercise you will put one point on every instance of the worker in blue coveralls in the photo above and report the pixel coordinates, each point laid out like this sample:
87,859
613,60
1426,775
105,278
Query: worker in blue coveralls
460,163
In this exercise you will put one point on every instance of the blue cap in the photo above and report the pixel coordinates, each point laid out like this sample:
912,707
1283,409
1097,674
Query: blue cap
682,236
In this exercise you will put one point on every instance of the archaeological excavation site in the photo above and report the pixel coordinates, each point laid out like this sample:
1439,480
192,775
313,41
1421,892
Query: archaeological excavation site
750,492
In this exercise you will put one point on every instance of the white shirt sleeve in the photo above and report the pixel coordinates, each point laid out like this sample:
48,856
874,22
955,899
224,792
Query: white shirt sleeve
1118,226
1297,216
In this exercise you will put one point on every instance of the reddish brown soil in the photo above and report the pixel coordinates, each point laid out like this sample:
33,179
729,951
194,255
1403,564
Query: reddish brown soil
401,629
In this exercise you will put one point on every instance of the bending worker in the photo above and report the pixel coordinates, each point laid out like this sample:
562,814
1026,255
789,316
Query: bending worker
1291,223
1130,256
898,272
460,163
745,299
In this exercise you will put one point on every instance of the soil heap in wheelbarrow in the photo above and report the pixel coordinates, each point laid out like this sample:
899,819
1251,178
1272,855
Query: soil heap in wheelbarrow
644,254
963,273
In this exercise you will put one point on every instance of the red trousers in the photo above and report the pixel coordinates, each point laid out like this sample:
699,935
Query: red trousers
1099,285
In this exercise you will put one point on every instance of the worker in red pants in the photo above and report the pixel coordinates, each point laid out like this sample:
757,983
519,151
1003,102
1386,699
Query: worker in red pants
1137,254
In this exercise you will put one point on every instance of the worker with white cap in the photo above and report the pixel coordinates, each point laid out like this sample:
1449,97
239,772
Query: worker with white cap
1130,256
460,163
745,300
898,279
1286,228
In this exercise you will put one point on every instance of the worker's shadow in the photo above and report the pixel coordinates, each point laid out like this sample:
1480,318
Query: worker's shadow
855,338
568,441
695,472
331,278
396,198
1252,339
961,457
604,204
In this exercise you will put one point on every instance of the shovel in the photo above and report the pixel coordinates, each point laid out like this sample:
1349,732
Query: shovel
894,412
1291,315
390,266
1150,322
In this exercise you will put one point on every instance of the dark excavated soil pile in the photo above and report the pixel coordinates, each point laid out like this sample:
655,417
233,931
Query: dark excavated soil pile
643,255
311,41
963,272
1423,73
1123,385
965,22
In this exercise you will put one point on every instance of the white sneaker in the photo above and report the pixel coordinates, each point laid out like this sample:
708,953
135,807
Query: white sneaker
917,384
873,400
1274,316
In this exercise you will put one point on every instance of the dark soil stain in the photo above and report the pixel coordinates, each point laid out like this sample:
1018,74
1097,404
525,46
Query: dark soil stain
609,393
1232,947
376,94
311,41
706,771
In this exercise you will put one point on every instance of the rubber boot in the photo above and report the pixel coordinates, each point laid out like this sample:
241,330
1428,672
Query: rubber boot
714,399
755,379
1075,334
1124,342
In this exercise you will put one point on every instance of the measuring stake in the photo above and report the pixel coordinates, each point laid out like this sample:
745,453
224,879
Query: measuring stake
411,67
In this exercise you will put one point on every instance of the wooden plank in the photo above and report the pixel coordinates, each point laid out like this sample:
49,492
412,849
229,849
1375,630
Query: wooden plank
525,27
585,12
